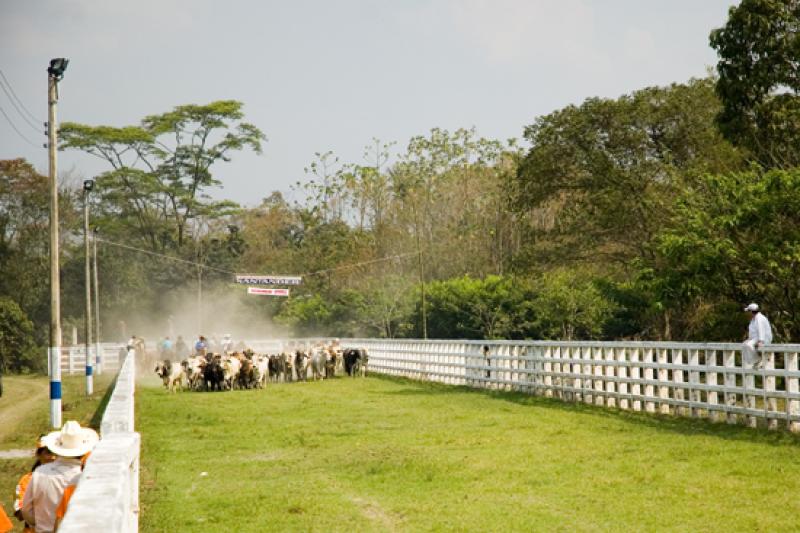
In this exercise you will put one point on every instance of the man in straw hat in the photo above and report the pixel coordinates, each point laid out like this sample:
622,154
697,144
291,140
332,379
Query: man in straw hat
48,482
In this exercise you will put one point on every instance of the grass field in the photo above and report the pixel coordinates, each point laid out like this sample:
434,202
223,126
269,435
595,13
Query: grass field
394,455
25,414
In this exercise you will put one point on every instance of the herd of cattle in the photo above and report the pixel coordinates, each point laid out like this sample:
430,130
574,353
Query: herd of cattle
248,370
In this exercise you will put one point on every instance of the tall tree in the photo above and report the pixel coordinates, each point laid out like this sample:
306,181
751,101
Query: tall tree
161,170
759,81
599,178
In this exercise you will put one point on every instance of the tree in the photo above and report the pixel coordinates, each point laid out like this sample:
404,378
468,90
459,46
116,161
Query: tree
161,169
599,178
736,239
759,83
17,347
495,307
569,305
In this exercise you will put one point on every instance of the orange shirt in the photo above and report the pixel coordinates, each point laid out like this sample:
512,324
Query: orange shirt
5,523
61,510
19,492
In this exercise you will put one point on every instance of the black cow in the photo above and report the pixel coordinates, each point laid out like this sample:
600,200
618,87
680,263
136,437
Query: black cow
213,375
301,364
277,367
355,361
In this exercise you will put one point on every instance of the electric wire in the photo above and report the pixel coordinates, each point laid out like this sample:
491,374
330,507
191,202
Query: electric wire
16,107
194,263
14,127
11,88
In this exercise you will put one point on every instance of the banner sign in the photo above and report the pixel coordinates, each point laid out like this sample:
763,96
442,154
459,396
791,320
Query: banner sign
247,279
267,292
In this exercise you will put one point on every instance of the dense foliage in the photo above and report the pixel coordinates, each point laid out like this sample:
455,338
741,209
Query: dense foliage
655,215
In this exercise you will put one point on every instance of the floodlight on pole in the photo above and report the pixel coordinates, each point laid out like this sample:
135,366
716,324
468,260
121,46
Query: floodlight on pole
55,72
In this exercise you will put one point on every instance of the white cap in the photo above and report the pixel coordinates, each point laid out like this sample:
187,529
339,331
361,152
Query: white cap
752,308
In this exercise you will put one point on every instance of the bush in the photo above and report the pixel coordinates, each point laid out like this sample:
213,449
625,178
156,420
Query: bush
18,351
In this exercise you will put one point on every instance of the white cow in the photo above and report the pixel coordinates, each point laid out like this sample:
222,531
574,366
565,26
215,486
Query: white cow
172,375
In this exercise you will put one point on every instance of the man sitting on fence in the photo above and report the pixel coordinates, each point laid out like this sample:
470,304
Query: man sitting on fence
46,488
759,333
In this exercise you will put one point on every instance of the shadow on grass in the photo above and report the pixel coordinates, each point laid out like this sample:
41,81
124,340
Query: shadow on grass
97,417
659,422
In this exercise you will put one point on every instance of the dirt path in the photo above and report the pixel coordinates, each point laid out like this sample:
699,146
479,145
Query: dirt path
21,396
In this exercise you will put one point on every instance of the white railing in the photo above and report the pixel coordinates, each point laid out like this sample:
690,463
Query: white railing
73,358
687,379
107,497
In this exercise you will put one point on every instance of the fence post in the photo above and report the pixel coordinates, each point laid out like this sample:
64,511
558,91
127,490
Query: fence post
729,362
622,372
748,395
792,387
712,396
599,385
570,368
548,368
71,360
678,380
649,391
663,378
585,353
770,403
694,380
636,375
610,371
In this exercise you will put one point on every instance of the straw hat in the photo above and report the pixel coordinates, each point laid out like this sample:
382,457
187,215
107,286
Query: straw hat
72,440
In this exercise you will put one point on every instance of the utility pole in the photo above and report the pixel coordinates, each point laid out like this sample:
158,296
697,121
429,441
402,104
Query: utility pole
421,277
97,353
88,185
199,300
55,73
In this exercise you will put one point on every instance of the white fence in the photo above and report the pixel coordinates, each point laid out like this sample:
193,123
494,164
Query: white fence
107,497
697,380
73,358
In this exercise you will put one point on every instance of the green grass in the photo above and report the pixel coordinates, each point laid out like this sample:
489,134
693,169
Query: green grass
25,414
384,454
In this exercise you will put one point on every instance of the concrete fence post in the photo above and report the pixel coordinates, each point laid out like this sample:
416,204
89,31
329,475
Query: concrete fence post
599,373
792,387
622,373
694,381
636,374
663,379
649,391
678,379
770,402
729,362
548,369
611,386
712,378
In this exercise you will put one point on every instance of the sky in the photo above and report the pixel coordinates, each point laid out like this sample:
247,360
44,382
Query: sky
332,75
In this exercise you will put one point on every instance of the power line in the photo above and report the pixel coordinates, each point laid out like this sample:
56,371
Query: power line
11,88
353,265
165,256
194,263
11,123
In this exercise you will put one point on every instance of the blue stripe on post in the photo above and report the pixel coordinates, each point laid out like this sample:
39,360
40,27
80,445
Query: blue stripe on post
88,371
55,390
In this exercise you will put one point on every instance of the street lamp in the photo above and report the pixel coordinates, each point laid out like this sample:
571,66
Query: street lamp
55,73
88,185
